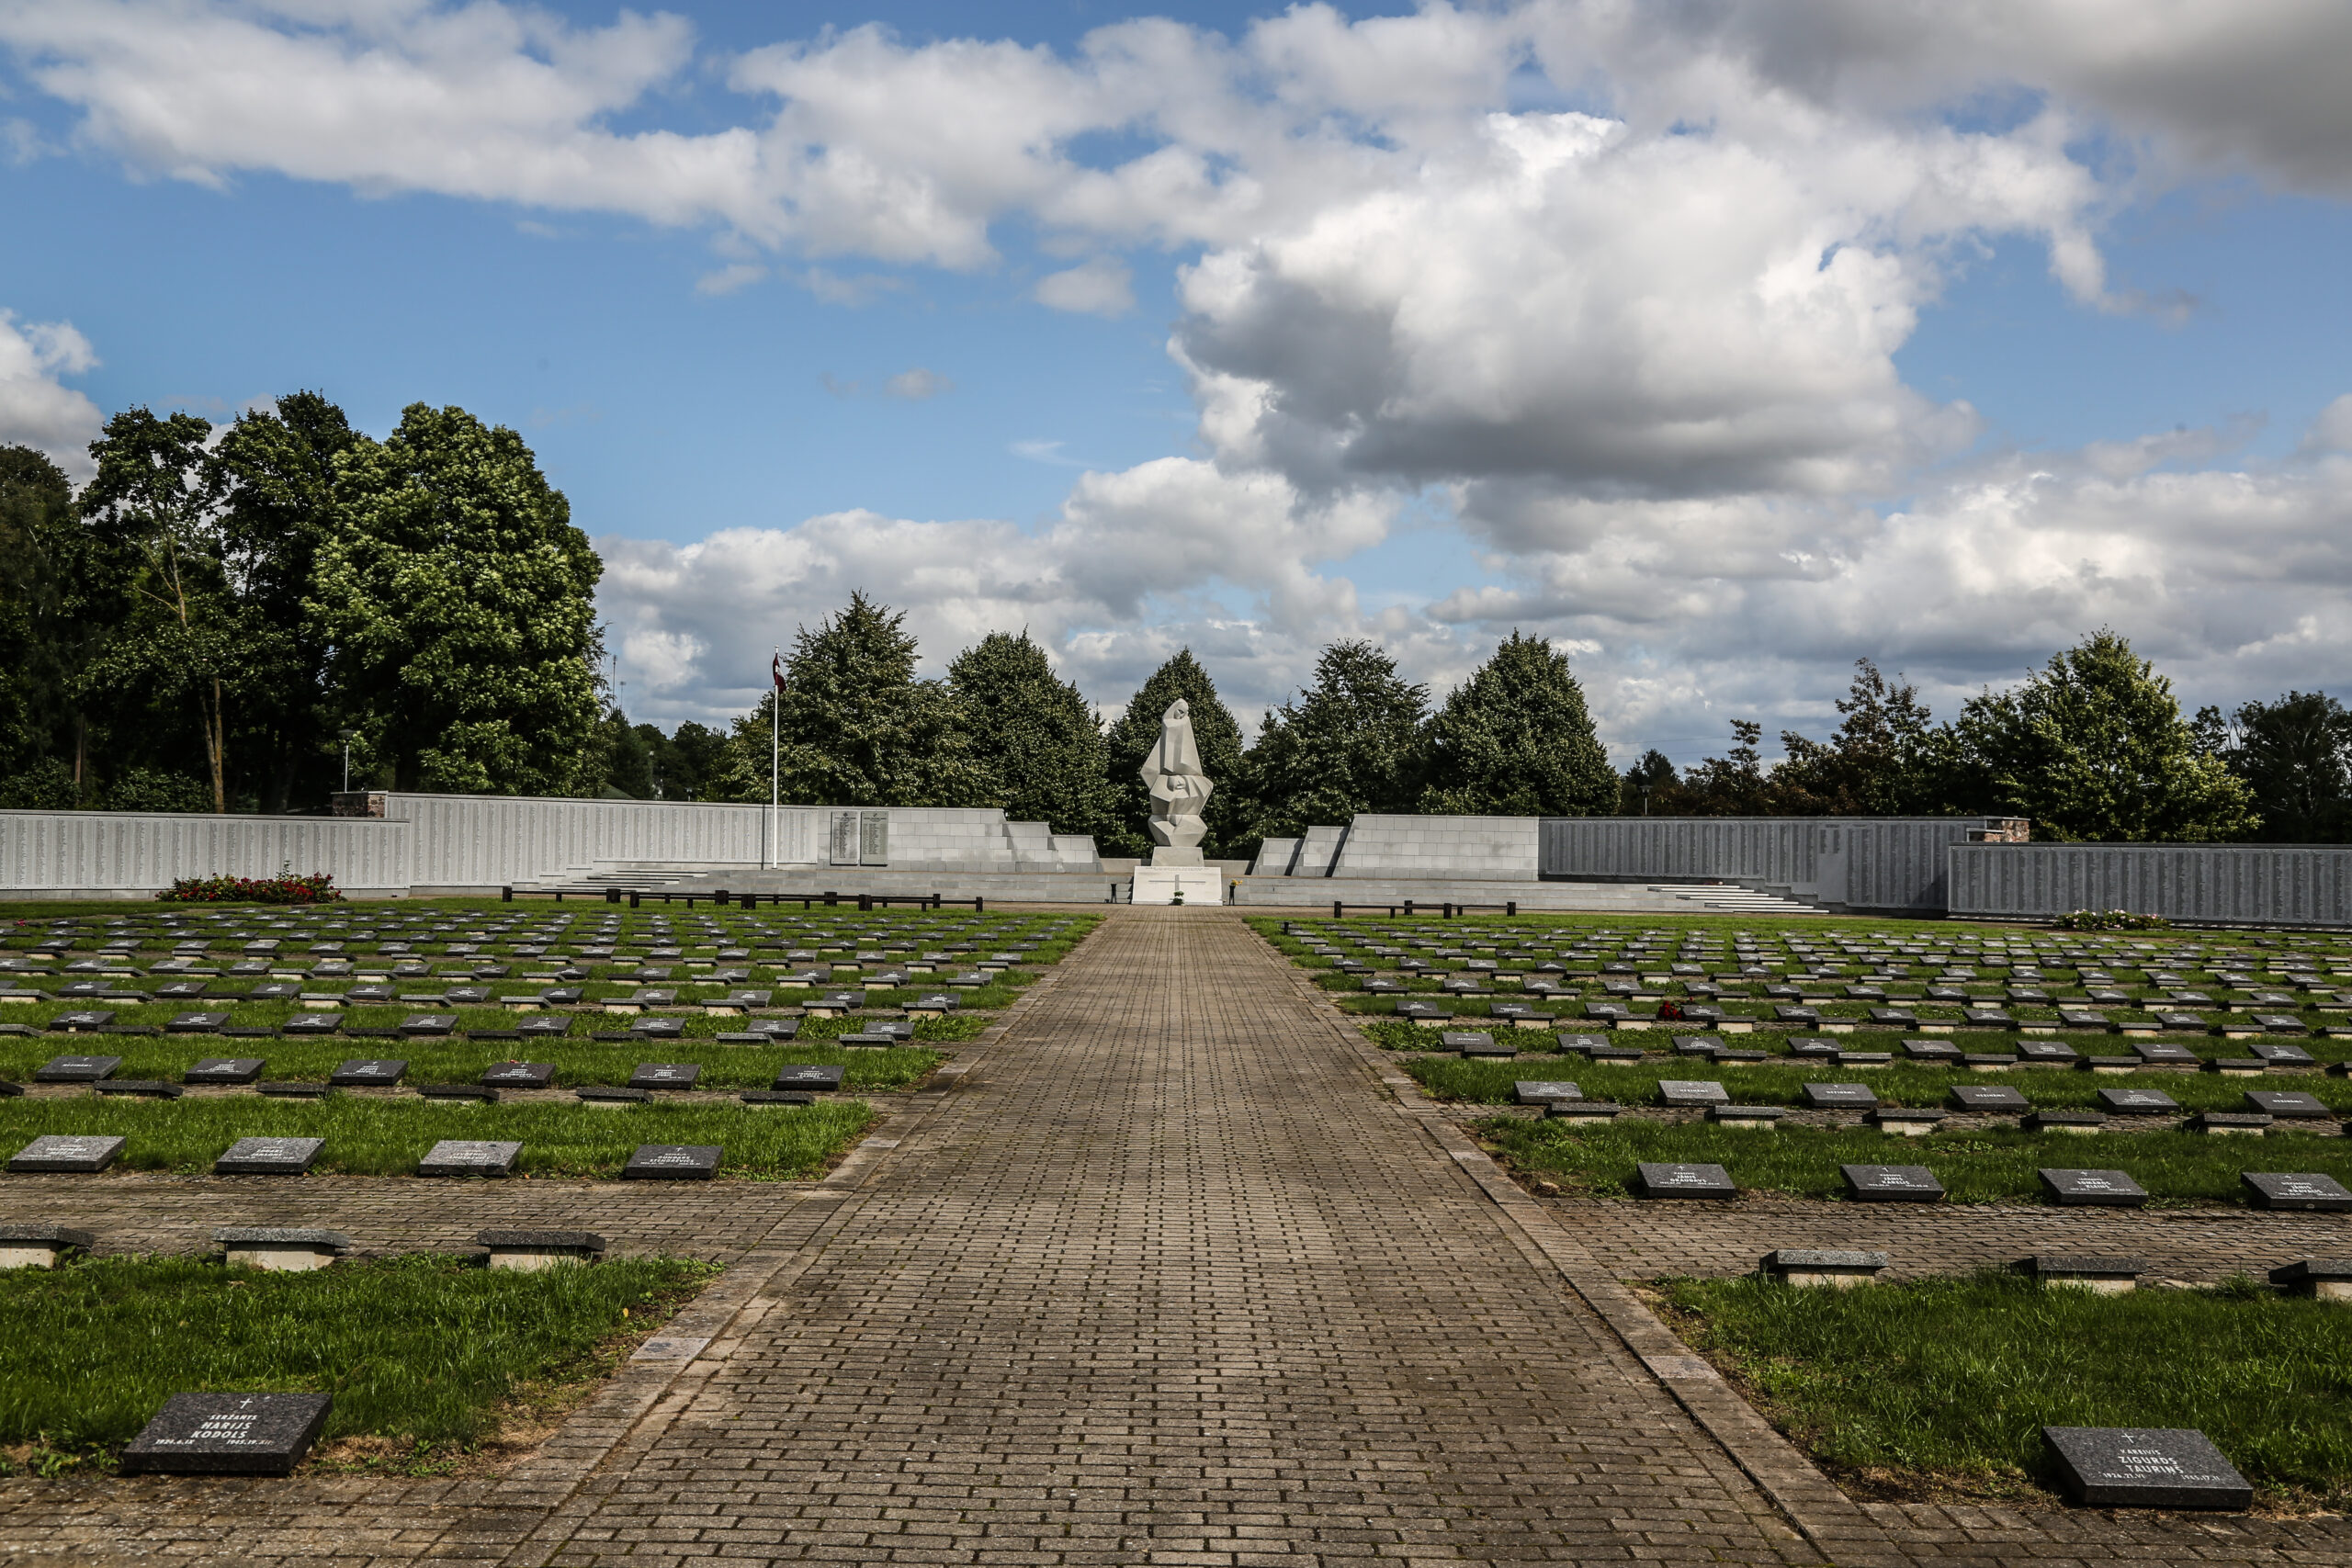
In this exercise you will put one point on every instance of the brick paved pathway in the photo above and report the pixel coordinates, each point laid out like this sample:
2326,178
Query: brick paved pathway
1179,1273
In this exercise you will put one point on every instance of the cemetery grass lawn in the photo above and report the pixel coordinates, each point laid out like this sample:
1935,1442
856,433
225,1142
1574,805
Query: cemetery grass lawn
1991,1166
1921,1390
1781,1080
578,1060
429,1357
369,1134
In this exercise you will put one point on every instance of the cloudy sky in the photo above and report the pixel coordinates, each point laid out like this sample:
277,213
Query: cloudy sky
1723,341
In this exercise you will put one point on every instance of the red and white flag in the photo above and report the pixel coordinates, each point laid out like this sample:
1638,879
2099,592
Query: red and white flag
775,668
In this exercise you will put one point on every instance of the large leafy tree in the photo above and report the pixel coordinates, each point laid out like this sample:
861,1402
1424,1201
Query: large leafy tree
2093,747
1137,730
1034,736
1886,758
178,647
1649,786
457,602
1350,742
36,527
276,475
2295,754
854,726
1515,740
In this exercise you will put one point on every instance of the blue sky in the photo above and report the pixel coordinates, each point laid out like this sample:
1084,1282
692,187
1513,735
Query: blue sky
1357,333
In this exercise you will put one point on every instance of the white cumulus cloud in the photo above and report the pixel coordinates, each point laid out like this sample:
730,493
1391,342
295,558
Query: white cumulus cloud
37,408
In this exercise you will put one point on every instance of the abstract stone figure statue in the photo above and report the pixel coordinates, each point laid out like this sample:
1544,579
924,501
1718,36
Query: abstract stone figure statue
1179,789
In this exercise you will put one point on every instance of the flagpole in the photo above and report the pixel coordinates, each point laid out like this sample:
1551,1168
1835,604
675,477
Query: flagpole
775,705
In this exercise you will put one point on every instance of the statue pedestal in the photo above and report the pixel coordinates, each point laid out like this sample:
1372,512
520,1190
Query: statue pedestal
1168,855
1159,884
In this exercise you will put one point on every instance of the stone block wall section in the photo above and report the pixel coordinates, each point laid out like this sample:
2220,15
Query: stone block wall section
1477,849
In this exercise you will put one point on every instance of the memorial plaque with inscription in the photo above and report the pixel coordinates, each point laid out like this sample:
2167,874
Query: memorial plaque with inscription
269,1157
66,1155
2108,1467
672,1162
229,1434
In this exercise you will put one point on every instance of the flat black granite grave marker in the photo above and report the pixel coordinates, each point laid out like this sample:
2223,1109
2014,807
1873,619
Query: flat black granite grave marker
1931,1050
81,1022
180,990
369,1073
2109,1467
1545,1091
229,1434
672,1162
664,1075
75,1070
197,1023
543,1028
2092,1188
519,1074
269,1157
422,1025
2295,1190
1841,1097
1890,1184
657,1029
225,1069
313,1023
809,1076
1993,1098
468,1157
2286,1103
138,1088
1692,1094
2138,1102
275,991
66,1155
1685,1181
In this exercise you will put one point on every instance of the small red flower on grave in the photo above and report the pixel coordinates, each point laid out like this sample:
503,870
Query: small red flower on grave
1667,1010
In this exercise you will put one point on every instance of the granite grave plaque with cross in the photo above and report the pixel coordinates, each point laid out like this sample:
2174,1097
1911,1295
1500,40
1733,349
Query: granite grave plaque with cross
672,1162
225,1070
468,1157
2296,1189
269,1157
2109,1467
229,1434
1890,1184
2092,1188
66,1155
1677,1180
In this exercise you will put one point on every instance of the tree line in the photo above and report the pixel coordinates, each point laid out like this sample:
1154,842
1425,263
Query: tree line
208,621
219,613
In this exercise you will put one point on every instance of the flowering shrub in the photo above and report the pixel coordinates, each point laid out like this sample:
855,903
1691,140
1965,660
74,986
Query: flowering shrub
316,888
2112,921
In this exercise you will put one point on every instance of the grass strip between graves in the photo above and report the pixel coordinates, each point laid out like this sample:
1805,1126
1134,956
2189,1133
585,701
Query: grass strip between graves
1992,1165
1781,1081
1943,1385
432,1354
577,1059
367,1135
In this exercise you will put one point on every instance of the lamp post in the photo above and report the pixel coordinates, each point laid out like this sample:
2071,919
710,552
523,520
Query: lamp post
346,762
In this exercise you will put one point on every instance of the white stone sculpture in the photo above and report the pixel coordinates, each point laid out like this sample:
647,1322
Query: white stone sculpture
1179,789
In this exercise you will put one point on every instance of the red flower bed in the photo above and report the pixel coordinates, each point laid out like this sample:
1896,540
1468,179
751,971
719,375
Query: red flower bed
316,888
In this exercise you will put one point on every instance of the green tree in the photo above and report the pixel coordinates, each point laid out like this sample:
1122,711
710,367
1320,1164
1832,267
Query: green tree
1137,730
178,641
2093,747
856,728
275,471
1886,759
1730,785
1350,742
1648,786
35,519
459,604
693,755
1036,739
2292,755
1515,740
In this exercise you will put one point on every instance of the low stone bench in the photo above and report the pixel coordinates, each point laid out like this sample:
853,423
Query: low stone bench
281,1248
539,1249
